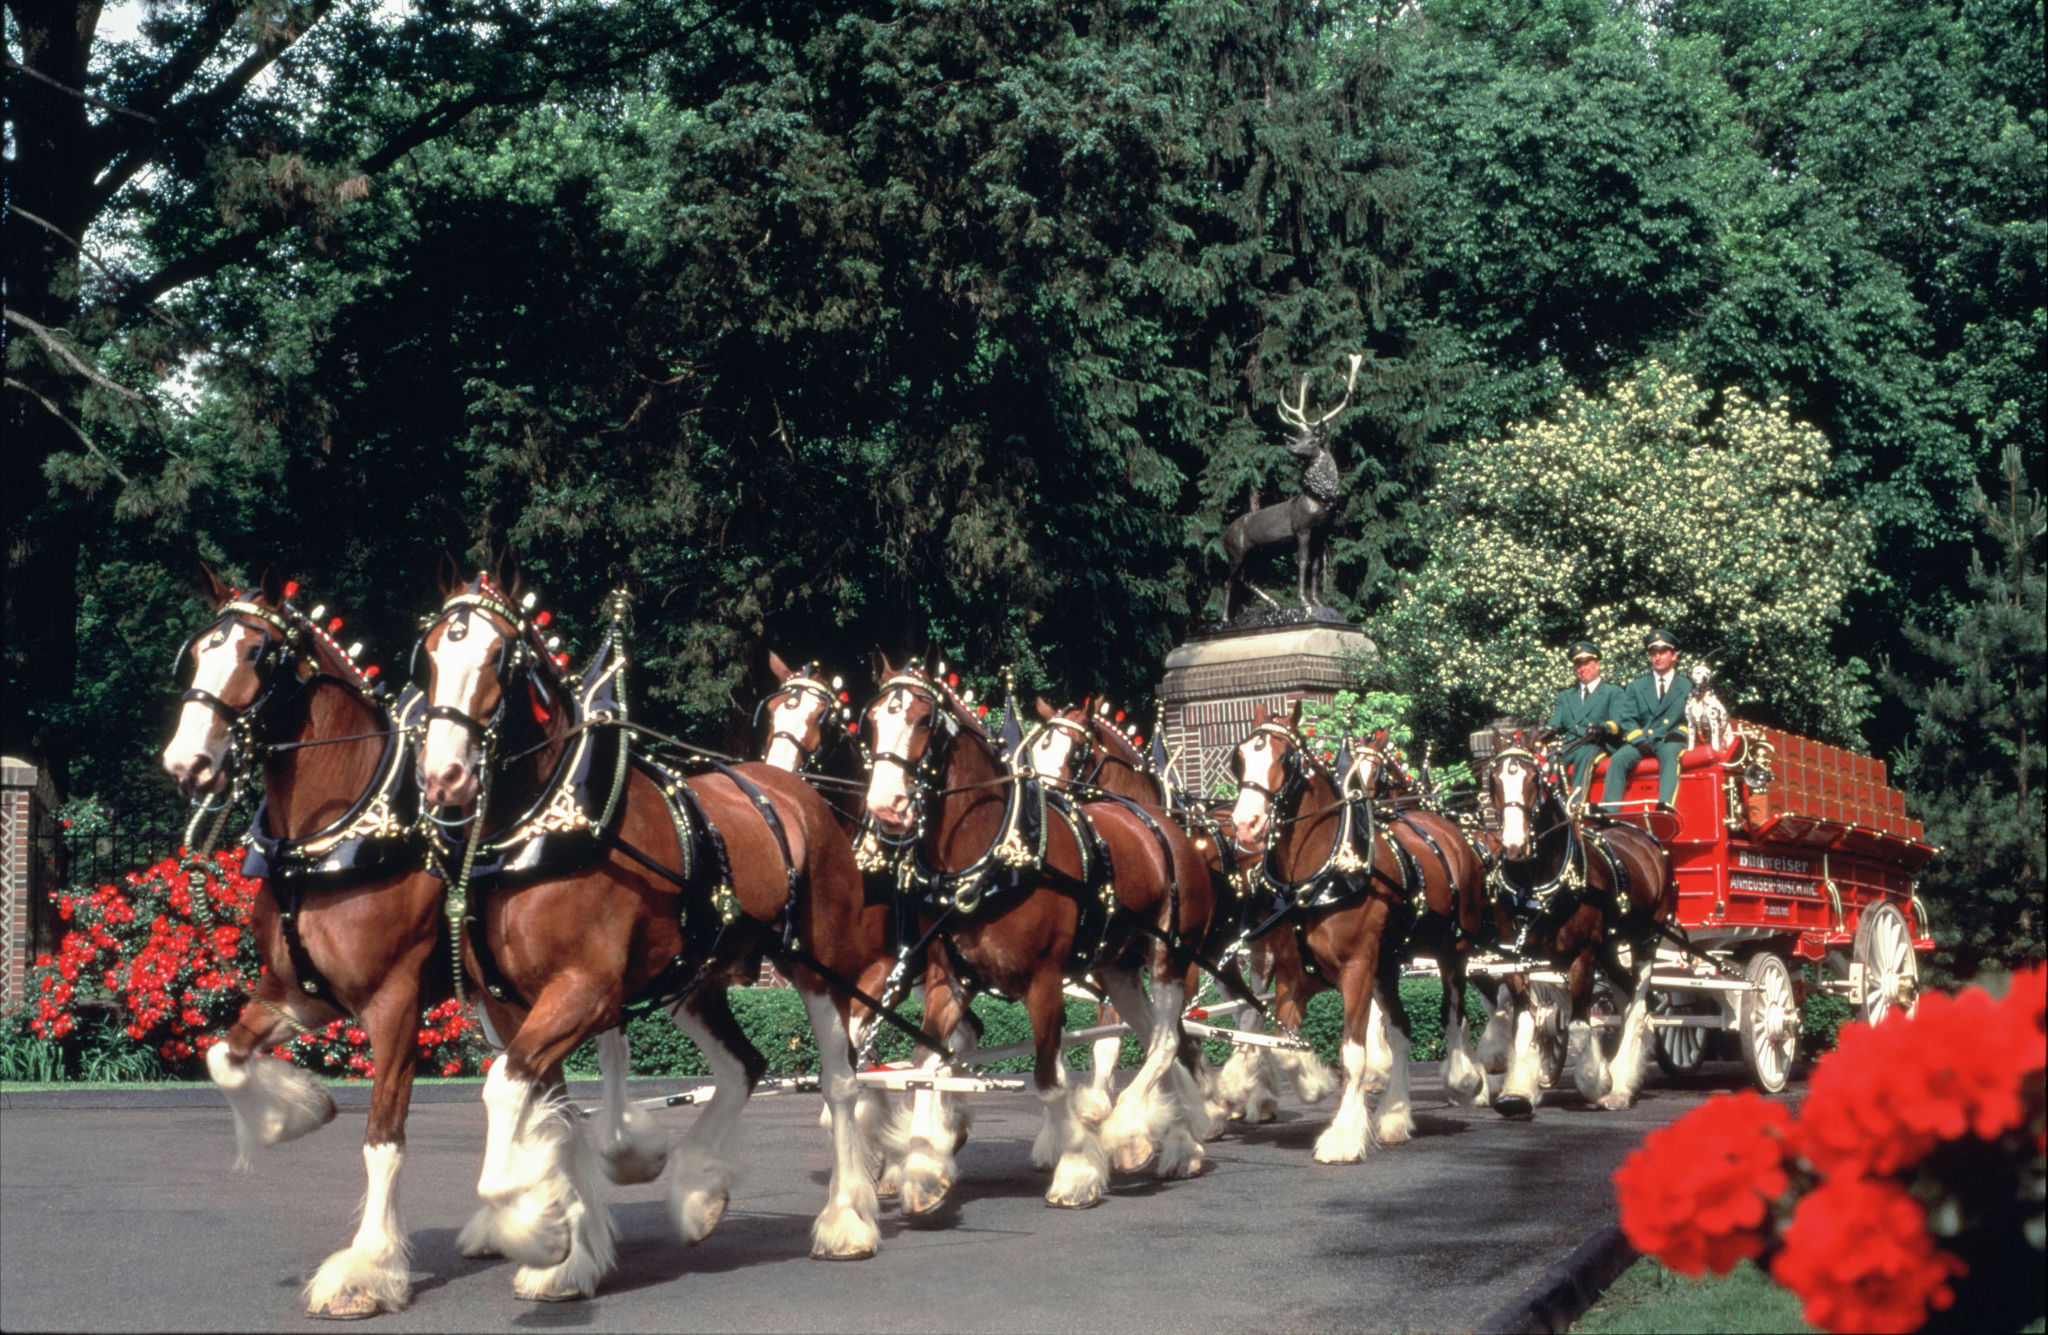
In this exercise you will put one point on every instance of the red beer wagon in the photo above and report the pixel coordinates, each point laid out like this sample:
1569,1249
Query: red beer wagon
1786,852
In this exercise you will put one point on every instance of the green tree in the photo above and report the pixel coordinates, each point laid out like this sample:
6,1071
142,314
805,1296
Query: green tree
1974,764
1657,504
158,183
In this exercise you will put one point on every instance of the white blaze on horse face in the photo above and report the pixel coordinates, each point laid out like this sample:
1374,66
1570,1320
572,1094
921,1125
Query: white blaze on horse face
1259,763
448,758
889,795
795,718
1050,753
1517,798
197,752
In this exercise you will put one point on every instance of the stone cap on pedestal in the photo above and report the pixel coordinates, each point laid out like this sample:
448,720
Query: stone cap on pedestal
1315,658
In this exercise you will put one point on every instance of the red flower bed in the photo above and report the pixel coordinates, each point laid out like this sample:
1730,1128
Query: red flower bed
179,974
1905,1195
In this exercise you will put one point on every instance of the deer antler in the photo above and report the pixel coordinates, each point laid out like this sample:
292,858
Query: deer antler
1296,413
1350,382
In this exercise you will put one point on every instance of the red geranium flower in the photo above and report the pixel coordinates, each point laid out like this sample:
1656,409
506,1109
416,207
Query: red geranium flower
1698,1193
1859,1256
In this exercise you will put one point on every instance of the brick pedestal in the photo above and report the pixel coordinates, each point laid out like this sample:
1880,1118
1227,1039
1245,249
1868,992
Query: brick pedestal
1216,685
20,876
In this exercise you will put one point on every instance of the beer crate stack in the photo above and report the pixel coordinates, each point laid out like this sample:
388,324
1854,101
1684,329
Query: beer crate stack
1827,783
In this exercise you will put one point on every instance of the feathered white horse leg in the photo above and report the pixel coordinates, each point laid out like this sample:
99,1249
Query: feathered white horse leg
543,1202
1082,1172
847,1229
1464,1077
1394,1117
938,1126
1348,1137
1631,1059
1136,1123
634,1146
1523,1088
1379,1052
1497,1040
272,1101
705,1173
371,1274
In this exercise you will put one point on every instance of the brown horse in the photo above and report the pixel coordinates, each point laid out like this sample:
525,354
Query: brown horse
1081,749
661,893
358,940
1453,879
1585,887
1340,920
1012,896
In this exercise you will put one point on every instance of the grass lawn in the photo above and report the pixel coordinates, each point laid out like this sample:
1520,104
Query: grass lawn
1650,1300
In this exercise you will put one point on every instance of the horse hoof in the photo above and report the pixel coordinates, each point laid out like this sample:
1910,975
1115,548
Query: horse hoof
1078,1200
566,1296
1616,1103
1514,1107
1132,1155
348,1307
923,1197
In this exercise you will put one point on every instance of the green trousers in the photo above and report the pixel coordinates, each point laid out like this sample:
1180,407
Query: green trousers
1627,758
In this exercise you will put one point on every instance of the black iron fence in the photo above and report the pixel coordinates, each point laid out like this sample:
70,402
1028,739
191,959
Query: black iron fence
98,851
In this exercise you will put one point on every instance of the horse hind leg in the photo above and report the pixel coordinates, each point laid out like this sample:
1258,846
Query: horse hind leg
1464,1076
1094,1099
705,1173
847,1229
633,1145
1081,1173
272,1100
1497,1039
1632,1058
1394,1116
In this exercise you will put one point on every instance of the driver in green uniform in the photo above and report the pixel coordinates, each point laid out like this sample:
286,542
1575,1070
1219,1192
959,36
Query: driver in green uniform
1652,724
1585,719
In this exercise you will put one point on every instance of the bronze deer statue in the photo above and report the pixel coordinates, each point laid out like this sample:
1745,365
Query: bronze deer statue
1304,517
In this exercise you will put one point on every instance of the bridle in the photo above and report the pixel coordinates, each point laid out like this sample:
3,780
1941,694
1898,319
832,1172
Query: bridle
513,656
808,681
920,773
1086,747
280,646
1290,766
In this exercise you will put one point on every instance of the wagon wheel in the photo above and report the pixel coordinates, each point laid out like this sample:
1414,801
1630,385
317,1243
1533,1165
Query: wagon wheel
1553,1036
1891,969
1769,1016
1680,1049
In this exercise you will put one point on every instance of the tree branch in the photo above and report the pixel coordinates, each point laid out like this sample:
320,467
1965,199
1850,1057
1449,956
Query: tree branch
119,279
84,439
82,96
72,359
274,42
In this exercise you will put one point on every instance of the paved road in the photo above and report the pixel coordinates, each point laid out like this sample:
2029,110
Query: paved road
120,1219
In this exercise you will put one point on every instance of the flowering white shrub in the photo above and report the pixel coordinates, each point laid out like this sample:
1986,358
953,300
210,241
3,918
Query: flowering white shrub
1659,504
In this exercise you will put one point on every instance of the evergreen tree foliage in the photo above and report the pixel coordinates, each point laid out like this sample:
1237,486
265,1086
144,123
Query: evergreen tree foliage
1975,762
1654,505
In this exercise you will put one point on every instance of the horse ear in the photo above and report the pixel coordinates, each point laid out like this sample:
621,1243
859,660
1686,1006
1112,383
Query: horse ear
449,574
879,664
1294,715
507,575
1045,710
778,667
273,586
211,589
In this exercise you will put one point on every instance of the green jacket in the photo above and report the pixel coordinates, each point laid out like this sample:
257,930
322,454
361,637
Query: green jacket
1573,715
1644,717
